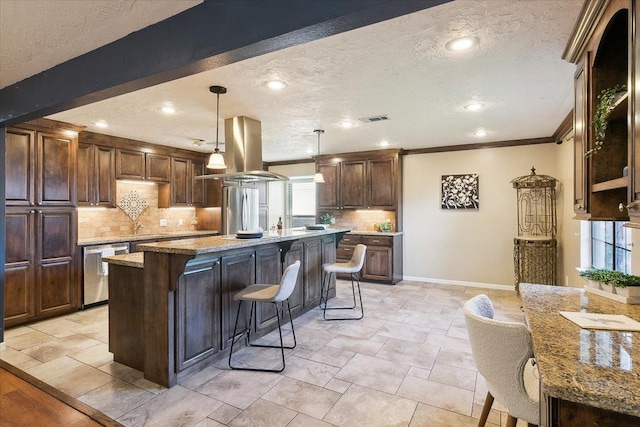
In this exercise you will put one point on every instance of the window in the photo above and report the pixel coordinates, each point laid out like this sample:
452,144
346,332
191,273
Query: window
611,246
301,201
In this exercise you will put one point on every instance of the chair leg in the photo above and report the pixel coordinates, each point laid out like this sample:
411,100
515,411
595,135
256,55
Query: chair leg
281,346
511,421
324,314
488,403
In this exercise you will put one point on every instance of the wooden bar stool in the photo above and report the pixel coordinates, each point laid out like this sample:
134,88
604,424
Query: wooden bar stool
353,268
275,294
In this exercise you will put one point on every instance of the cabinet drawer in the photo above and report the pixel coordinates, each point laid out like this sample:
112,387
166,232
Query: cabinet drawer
377,241
351,239
344,252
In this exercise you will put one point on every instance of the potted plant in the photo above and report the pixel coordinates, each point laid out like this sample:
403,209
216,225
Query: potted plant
613,281
607,100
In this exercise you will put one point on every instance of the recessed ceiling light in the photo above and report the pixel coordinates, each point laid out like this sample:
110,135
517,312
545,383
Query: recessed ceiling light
383,143
347,124
101,124
480,133
474,106
462,43
168,108
275,84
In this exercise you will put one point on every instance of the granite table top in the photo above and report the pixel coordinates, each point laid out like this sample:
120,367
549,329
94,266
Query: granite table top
138,237
205,245
134,259
594,367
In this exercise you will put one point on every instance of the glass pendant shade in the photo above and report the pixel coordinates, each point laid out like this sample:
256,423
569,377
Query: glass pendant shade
216,161
318,178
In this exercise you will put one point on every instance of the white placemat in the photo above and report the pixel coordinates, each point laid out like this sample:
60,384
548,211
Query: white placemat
611,322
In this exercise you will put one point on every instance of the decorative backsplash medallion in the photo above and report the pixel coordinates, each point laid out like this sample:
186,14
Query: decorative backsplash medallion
133,204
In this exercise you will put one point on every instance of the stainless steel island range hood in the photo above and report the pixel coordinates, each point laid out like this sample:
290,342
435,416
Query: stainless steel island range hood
243,153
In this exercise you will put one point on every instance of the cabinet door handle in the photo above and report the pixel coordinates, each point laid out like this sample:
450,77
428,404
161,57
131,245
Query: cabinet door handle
376,241
630,206
32,211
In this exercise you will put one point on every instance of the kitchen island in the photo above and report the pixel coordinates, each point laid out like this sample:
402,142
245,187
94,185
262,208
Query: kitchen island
180,311
587,377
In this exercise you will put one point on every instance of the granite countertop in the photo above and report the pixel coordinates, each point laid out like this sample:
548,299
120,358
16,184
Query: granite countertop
376,233
596,368
135,259
204,245
138,237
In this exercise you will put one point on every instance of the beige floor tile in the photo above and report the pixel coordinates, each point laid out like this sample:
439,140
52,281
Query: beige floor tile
60,347
208,422
70,376
17,358
451,375
225,413
196,379
352,329
309,371
409,353
404,331
263,413
457,332
494,415
362,406
239,388
58,327
356,345
332,356
428,320
449,343
302,420
302,397
95,356
151,387
116,398
122,372
337,385
28,340
17,330
374,373
429,416
177,407
419,372
459,359
435,394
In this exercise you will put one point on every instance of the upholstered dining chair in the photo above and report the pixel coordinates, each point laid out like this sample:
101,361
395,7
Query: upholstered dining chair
278,293
503,354
352,268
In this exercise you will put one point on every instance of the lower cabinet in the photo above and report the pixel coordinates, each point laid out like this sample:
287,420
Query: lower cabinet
238,272
383,259
268,272
197,311
39,263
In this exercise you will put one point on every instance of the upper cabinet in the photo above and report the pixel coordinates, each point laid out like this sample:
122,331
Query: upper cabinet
41,166
183,189
138,165
604,46
96,175
367,180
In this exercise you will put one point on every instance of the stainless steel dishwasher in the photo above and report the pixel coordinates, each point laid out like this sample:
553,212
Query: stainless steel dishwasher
95,287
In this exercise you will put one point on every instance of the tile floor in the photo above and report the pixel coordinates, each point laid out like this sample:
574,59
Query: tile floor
407,363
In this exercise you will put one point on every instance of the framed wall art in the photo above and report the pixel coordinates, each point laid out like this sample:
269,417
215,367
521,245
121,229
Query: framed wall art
460,192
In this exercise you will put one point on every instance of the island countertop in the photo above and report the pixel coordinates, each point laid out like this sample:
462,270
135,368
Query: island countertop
205,245
597,368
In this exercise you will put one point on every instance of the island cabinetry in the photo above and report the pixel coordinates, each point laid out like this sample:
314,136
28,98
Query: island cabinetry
96,175
607,182
238,272
197,312
296,300
268,272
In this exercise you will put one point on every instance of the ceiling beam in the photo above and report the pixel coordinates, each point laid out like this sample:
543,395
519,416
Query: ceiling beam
210,35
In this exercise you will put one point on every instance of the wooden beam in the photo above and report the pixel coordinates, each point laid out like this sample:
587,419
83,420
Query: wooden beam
204,37
465,147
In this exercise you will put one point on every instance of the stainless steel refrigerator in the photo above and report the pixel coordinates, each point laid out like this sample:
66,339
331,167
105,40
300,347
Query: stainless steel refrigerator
239,209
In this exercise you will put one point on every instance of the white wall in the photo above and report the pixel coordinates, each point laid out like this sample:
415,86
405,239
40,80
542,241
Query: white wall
472,246
277,188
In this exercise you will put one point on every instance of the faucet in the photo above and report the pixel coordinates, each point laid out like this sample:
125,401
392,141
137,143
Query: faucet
137,226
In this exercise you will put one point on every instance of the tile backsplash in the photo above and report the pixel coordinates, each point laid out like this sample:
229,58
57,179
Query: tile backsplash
97,222
363,220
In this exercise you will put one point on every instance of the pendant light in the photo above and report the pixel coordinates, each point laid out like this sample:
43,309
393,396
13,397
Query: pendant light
318,178
216,161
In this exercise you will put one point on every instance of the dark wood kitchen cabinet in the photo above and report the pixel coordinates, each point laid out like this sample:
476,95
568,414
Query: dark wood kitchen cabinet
96,175
238,272
328,194
183,189
39,263
383,259
268,272
138,165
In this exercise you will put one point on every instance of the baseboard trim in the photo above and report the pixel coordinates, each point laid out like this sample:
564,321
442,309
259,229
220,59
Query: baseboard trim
461,283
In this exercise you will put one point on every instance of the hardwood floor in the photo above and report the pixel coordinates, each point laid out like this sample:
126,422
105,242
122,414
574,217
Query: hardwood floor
27,401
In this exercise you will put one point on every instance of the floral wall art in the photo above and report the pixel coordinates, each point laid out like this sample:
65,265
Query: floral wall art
460,192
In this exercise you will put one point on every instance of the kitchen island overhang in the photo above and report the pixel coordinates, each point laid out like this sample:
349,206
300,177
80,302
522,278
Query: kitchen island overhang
187,312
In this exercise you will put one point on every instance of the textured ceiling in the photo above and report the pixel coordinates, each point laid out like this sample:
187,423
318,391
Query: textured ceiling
398,67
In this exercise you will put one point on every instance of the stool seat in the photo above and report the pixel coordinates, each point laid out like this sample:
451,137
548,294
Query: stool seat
261,293
352,267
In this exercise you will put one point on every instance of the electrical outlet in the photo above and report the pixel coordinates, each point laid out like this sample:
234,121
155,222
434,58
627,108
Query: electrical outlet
180,221
163,222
